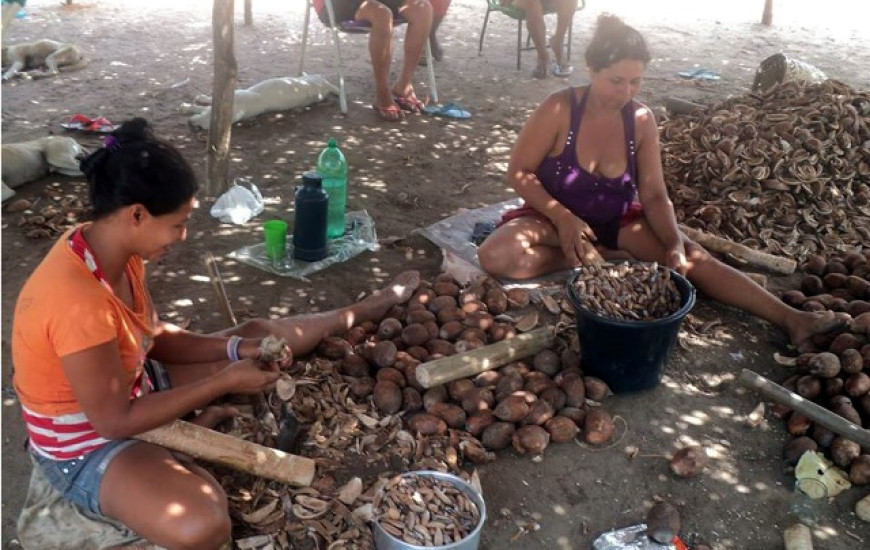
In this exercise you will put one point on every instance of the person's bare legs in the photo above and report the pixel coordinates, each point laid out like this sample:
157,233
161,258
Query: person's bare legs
439,11
381,52
418,13
186,510
437,50
304,332
528,247
521,249
564,16
538,31
725,284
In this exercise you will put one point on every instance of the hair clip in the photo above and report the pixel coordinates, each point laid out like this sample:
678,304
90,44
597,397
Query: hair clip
112,143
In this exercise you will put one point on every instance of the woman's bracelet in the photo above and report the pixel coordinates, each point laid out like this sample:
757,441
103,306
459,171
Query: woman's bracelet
233,348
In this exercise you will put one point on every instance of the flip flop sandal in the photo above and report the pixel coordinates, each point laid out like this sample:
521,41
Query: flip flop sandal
699,74
81,123
562,71
76,122
101,126
389,114
448,110
410,103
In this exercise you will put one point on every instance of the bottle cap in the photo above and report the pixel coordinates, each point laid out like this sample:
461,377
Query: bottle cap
312,178
332,143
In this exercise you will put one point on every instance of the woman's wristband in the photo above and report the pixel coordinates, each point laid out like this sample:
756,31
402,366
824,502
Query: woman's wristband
233,348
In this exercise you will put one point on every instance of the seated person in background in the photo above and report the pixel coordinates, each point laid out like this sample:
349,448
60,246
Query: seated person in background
439,11
535,10
391,101
581,162
86,342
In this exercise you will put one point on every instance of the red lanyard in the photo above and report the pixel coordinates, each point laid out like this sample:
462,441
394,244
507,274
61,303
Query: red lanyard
80,246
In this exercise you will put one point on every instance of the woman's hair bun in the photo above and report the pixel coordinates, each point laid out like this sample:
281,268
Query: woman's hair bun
608,23
133,130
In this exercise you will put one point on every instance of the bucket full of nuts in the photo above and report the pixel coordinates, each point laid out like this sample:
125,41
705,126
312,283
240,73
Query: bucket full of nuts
428,510
628,318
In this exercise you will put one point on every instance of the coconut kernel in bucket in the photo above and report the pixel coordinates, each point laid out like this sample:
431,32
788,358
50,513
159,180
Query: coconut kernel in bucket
634,291
425,511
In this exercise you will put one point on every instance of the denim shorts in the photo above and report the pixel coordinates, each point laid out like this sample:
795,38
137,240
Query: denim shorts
78,479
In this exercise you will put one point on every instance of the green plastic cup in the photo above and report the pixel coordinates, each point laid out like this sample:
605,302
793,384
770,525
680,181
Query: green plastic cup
275,233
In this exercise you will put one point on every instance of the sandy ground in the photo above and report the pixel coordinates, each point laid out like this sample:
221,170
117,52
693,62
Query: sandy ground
148,59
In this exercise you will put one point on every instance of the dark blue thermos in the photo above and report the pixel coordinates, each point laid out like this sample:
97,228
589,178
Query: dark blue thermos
309,227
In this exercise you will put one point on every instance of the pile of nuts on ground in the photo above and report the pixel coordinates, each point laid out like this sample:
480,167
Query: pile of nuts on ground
366,417
833,369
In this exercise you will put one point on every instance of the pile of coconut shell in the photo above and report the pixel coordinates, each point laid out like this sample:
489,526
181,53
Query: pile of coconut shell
51,213
366,416
834,369
786,171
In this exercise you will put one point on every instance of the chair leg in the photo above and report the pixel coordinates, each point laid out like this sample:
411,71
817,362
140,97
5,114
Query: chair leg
570,38
430,66
483,32
304,36
519,43
342,93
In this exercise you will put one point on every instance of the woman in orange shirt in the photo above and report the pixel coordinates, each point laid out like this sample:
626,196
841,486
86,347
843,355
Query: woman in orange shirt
89,352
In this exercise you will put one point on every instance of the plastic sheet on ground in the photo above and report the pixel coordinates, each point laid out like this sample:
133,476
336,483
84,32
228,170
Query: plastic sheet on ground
453,235
632,538
359,237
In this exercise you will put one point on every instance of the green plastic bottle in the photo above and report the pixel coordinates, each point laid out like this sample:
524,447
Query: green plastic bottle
332,167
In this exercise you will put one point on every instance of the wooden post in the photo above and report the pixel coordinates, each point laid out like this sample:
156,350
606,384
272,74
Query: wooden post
220,448
767,15
743,253
816,413
223,93
462,365
249,14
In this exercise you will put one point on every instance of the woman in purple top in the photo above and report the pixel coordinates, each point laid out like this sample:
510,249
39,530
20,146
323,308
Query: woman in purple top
587,164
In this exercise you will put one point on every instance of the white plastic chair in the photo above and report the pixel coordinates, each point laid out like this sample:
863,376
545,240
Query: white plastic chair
357,28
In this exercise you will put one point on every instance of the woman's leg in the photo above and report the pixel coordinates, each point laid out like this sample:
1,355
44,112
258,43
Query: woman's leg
439,11
418,13
538,30
564,16
725,284
185,510
304,332
522,248
380,50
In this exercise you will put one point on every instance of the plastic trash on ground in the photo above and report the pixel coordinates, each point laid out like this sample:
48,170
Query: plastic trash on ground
359,237
238,204
633,538
818,477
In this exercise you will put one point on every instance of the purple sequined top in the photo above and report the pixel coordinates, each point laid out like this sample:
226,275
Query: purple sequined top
596,200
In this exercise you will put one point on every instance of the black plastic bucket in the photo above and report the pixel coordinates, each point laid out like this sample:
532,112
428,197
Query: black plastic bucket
628,355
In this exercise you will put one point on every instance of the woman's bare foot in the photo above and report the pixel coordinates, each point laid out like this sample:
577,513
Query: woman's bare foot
803,325
399,291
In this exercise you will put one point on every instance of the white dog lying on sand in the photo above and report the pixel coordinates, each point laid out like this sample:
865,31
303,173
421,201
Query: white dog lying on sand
41,58
33,160
274,94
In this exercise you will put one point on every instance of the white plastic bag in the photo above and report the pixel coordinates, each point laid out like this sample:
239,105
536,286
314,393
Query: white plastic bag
239,204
